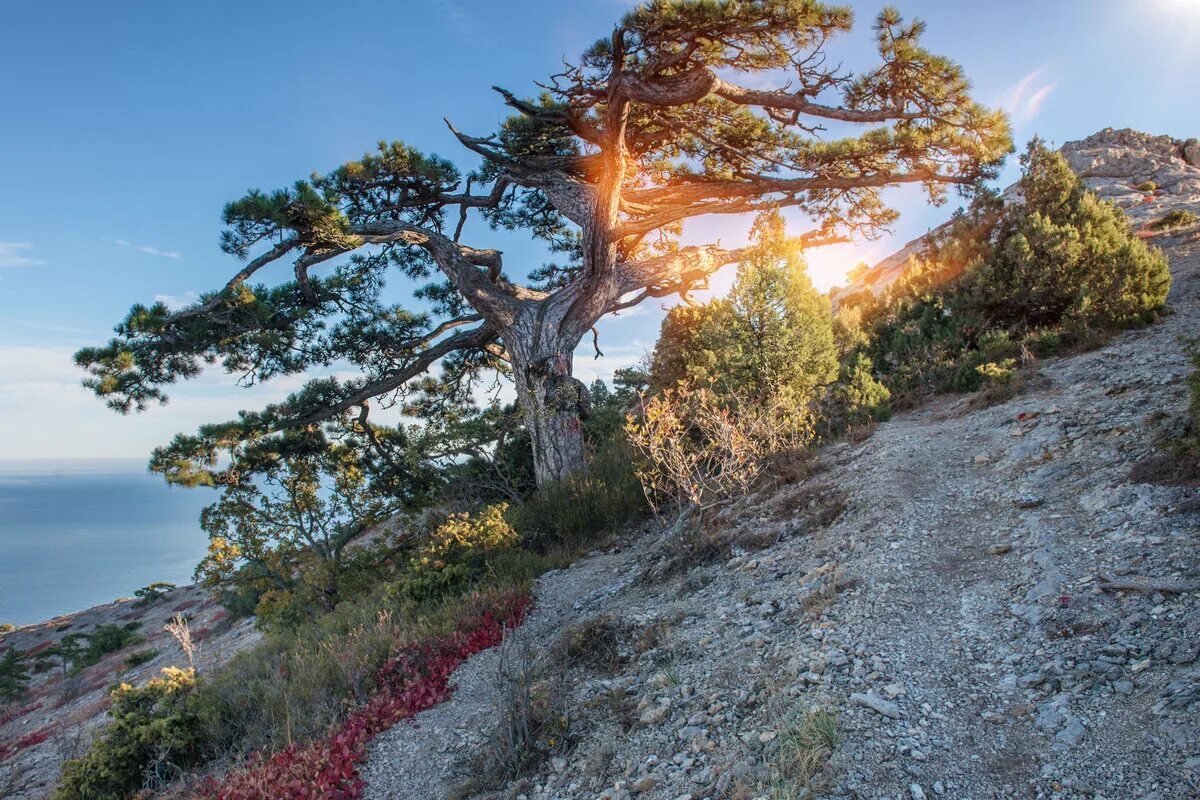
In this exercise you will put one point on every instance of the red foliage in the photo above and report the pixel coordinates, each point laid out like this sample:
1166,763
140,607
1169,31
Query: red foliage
28,740
186,605
416,679
17,713
41,648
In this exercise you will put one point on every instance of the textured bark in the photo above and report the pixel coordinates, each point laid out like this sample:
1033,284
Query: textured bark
554,402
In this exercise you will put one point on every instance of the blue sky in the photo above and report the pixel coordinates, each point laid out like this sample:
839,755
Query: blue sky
128,125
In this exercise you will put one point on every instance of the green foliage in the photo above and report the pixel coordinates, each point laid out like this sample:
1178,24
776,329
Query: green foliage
152,736
770,341
574,513
858,397
140,657
7,627
457,552
156,591
80,650
289,506
1008,281
1065,258
1146,186
300,681
1178,218
14,676
687,146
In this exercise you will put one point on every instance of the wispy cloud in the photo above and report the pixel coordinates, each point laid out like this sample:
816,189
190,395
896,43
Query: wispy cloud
1025,98
12,255
174,302
147,249
46,326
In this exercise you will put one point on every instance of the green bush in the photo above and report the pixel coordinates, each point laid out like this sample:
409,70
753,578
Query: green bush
771,339
153,735
140,657
7,627
1175,219
1146,186
299,682
858,397
78,651
156,591
14,676
1004,281
574,513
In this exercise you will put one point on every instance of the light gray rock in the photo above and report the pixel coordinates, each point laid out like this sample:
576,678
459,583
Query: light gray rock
877,704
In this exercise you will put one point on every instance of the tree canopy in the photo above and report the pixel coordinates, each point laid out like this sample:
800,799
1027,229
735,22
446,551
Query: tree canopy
661,122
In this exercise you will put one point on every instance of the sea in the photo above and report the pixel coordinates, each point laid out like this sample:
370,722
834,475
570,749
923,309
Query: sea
75,534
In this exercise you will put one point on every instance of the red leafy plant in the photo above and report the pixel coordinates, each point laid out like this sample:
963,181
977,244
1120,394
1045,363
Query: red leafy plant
417,678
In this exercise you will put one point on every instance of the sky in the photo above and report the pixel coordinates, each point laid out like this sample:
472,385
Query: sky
126,126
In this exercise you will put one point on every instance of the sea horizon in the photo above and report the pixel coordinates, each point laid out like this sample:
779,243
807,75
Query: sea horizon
80,532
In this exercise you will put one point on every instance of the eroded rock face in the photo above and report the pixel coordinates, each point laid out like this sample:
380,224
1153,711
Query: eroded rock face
1115,163
1118,165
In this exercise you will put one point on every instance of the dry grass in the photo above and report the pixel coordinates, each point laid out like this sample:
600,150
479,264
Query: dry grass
533,723
806,742
595,643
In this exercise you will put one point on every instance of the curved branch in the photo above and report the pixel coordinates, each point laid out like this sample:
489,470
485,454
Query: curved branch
475,338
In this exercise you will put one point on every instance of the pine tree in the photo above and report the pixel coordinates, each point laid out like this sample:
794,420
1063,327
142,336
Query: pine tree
14,676
1063,257
650,128
771,340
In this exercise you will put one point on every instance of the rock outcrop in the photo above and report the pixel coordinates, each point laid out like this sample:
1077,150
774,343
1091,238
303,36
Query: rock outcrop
1117,165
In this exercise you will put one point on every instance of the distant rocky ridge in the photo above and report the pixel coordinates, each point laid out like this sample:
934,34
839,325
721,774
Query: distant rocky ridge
1112,164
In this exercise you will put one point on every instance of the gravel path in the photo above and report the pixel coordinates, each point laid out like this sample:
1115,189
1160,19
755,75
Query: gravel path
424,757
955,617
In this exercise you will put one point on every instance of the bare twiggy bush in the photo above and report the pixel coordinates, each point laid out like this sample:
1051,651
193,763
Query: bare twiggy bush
533,724
702,449
178,628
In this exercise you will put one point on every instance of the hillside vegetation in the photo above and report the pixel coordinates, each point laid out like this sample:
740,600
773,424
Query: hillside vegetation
740,391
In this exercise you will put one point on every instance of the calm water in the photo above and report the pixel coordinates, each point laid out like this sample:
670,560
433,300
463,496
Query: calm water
77,534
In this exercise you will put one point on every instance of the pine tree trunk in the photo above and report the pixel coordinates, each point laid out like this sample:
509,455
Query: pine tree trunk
553,401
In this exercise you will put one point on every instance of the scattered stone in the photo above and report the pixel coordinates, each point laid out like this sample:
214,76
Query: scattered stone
876,704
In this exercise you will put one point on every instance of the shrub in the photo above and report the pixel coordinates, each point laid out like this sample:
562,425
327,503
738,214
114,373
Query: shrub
1178,218
858,397
574,513
153,736
416,678
140,657
1006,280
72,651
457,551
1064,257
14,676
1146,186
695,449
156,591
7,627
806,741
534,725
771,341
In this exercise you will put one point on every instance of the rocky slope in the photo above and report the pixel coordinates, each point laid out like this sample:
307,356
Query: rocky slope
996,610
982,599
60,716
